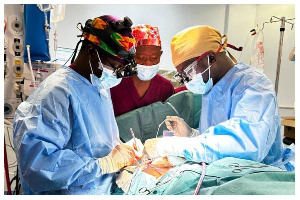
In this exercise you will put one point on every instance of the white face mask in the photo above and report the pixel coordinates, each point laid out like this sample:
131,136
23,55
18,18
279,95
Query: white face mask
107,79
197,85
146,73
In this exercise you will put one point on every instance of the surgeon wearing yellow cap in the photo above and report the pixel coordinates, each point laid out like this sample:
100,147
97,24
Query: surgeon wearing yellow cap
239,116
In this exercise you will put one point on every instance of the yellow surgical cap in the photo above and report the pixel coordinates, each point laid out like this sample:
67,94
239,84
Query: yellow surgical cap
194,41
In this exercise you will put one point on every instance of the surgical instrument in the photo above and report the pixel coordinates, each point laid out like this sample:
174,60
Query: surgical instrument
148,191
133,136
162,124
239,168
137,148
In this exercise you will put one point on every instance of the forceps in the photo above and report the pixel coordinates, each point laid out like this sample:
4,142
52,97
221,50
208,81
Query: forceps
147,191
239,168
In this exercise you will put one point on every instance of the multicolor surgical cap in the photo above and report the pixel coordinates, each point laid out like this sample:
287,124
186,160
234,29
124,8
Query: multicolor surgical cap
145,34
123,37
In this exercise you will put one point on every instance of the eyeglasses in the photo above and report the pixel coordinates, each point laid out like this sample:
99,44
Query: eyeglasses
127,70
189,72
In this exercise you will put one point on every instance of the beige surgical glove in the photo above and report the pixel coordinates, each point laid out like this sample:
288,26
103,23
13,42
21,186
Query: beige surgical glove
138,147
180,127
150,148
121,156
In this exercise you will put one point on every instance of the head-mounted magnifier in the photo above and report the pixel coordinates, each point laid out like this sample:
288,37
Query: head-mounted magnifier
189,72
109,36
128,70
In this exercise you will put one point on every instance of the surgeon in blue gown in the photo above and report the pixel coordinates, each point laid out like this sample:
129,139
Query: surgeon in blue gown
65,134
239,117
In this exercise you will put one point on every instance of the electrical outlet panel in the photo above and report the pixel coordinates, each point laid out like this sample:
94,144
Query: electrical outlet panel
15,25
17,47
10,107
18,68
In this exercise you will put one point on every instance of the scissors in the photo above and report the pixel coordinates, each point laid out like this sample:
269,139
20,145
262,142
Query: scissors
145,190
239,168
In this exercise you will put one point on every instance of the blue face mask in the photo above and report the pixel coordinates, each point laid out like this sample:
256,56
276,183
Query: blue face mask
197,85
146,73
107,79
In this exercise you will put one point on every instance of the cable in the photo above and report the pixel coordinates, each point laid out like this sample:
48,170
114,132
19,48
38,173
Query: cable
12,163
159,127
69,57
6,170
173,108
246,41
54,60
17,182
9,139
15,178
21,97
201,178
75,51
29,62
19,187
165,119
12,180
9,146
190,170
8,123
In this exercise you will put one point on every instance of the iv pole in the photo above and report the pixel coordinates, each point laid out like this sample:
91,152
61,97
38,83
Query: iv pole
282,29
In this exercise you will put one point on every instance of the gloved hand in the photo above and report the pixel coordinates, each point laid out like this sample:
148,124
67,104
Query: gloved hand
166,146
180,127
121,156
151,148
138,147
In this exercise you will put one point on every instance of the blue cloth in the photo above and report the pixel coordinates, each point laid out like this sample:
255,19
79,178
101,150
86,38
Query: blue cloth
35,34
239,118
59,133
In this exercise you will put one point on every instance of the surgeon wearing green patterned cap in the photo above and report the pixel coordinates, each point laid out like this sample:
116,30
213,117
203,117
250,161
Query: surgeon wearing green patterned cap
65,134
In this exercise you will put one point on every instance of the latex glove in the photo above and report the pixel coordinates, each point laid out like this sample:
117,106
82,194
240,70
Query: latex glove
121,156
180,127
138,147
166,146
151,148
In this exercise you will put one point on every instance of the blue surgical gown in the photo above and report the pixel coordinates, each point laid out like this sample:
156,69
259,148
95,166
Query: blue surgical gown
60,131
239,118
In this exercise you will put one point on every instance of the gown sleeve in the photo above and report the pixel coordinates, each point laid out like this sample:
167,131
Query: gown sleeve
42,128
248,134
